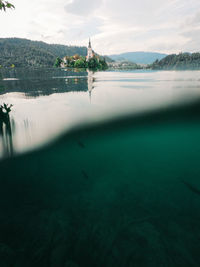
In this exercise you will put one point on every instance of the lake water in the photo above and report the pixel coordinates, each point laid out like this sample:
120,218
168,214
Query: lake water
119,187
47,102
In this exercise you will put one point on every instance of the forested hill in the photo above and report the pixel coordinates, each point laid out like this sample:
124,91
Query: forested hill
27,53
182,61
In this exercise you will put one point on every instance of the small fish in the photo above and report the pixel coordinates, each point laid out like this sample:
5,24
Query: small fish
81,144
85,175
192,188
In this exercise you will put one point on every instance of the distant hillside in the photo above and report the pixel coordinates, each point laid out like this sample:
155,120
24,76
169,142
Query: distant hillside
138,57
182,61
26,53
124,65
108,59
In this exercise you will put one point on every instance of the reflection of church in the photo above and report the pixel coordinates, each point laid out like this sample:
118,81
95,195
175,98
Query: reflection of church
90,83
82,83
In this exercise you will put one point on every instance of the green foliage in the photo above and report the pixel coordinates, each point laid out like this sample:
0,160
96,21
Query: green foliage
181,61
95,63
103,64
4,5
80,63
26,53
58,62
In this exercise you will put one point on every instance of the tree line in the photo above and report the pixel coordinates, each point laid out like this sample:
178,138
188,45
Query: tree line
17,52
182,61
26,53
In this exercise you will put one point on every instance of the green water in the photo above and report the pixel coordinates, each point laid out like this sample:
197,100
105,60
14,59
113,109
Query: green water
120,192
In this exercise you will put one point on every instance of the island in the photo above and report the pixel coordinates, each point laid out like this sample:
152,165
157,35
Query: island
91,61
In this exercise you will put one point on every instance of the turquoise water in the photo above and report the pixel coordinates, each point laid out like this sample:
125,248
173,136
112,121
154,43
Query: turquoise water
115,189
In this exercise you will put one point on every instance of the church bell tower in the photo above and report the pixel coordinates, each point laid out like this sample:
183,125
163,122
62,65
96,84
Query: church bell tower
90,53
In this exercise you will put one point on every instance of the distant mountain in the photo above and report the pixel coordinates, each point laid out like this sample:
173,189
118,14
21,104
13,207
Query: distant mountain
27,53
182,61
139,57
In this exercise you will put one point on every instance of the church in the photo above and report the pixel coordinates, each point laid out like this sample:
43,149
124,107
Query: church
90,52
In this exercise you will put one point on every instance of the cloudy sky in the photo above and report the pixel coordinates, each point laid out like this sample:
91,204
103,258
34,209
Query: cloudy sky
114,26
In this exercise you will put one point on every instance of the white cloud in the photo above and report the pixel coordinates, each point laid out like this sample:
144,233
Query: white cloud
114,25
83,8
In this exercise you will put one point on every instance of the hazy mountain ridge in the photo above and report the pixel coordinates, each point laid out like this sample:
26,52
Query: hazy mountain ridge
138,57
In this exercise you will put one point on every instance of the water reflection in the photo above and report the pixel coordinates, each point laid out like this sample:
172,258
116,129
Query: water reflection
50,101
6,131
91,80
45,82
43,105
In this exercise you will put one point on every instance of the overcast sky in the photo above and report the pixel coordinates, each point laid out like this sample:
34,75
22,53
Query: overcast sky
114,26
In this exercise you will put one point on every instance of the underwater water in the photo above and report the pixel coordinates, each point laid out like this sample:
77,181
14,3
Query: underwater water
111,189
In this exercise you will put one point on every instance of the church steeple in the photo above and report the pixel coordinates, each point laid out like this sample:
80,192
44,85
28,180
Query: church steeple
90,53
89,46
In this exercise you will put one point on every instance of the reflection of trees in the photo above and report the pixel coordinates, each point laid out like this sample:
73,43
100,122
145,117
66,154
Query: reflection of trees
42,83
6,130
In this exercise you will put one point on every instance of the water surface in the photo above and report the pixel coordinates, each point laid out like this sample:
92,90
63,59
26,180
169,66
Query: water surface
47,102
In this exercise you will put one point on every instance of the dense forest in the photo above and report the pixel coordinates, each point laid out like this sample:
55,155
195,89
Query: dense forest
182,61
26,53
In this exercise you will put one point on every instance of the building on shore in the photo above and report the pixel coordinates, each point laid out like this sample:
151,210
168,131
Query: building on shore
79,61
90,52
